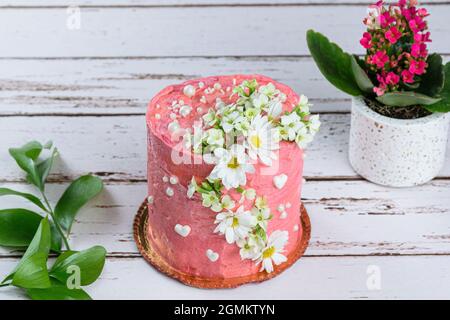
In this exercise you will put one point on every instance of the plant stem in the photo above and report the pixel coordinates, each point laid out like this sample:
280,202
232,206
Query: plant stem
57,225
4,285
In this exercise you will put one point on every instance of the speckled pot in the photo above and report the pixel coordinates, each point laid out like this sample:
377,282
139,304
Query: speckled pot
394,152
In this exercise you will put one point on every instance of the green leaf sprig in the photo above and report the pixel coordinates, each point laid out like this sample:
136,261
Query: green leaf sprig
47,230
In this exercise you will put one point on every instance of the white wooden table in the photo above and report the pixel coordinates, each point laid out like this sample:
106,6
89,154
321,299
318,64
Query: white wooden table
87,89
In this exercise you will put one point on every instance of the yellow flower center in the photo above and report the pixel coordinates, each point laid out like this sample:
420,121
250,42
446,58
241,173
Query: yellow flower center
233,164
235,222
256,141
268,252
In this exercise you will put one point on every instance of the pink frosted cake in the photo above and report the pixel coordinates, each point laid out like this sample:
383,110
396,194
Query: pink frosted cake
225,161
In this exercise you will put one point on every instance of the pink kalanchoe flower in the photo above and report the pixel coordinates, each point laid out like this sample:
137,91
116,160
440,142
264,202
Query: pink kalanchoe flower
417,67
393,35
419,50
386,19
392,78
366,40
379,90
407,76
380,59
402,3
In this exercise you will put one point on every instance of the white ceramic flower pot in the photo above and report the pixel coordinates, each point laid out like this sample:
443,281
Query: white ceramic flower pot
395,152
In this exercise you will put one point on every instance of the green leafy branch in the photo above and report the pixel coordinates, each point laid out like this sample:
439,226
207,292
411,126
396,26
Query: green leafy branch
47,230
347,73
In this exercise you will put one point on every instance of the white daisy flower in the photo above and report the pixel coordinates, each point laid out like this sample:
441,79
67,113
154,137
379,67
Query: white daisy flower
292,124
250,247
210,200
272,253
234,225
192,187
232,166
262,140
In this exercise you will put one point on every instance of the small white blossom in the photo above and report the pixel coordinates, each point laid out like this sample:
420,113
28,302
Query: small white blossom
192,187
210,200
234,225
262,217
215,137
292,124
272,253
210,118
250,247
314,123
260,101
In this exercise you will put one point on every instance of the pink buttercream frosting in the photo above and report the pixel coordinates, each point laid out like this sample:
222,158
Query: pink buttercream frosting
188,254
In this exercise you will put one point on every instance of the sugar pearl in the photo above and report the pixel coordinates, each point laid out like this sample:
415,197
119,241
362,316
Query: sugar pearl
189,91
185,110
281,207
199,110
201,84
150,199
173,126
217,86
166,179
296,228
173,180
157,116
173,116
169,191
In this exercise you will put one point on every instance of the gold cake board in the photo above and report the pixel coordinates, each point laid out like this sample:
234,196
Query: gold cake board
140,231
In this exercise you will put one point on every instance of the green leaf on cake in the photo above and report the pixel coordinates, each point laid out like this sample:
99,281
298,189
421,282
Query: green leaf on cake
444,104
76,196
333,62
433,80
405,99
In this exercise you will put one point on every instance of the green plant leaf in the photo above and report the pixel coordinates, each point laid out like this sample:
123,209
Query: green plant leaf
362,79
31,272
333,62
444,104
25,157
433,80
28,196
406,98
57,291
90,262
76,196
18,227
44,167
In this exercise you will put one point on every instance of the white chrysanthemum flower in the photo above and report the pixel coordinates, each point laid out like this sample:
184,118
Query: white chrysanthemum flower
215,137
292,124
227,203
272,253
210,118
234,225
268,90
275,108
314,123
232,166
229,121
250,247
303,138
192,187
210,200
262,216
262,140
260,101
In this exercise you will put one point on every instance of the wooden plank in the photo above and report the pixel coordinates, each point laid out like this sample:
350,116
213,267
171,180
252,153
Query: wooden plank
96,3
347,217
190,31
115,147
310,278
119,86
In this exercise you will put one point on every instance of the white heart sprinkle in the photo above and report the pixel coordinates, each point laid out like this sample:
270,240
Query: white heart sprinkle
281,207
165,179
182,230
212,256
283,215
150,199
288,205
280,181
296,228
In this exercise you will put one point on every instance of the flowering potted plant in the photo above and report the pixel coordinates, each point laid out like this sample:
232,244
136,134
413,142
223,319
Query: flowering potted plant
401,95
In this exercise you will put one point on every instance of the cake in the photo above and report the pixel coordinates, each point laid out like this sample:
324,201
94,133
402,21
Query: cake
225,164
